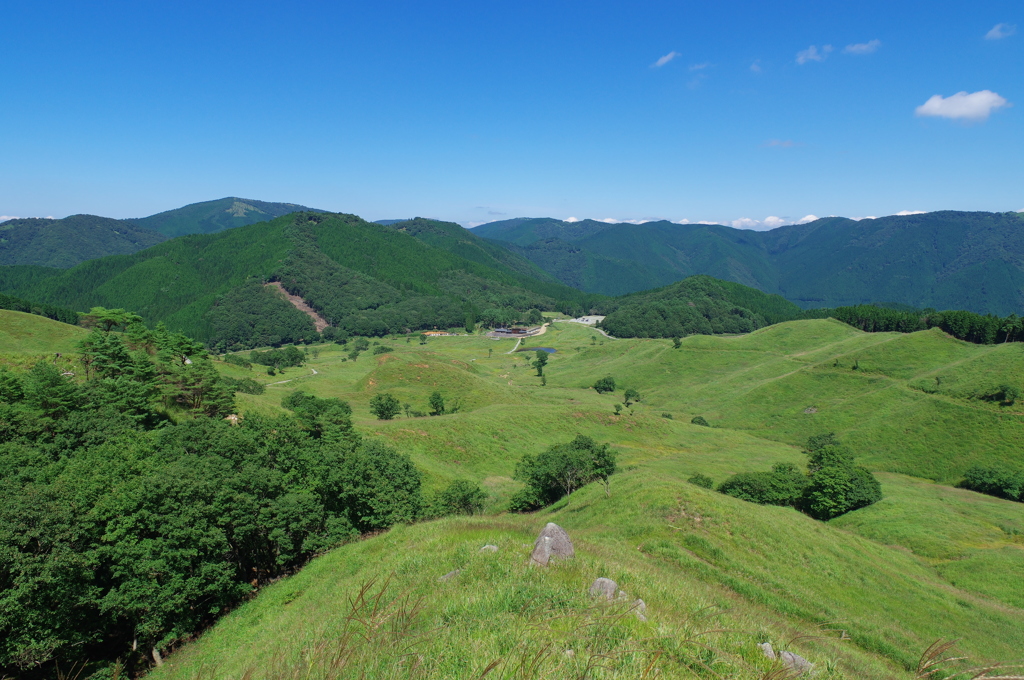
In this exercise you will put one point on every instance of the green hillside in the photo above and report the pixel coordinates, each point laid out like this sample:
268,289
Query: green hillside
890,573
29,334
70,241
212,216
429,274
941,260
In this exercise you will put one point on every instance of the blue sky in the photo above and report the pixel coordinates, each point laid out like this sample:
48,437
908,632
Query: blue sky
474,112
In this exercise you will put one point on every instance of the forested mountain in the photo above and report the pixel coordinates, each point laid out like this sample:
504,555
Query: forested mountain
210,217
944,260
364,278
67,242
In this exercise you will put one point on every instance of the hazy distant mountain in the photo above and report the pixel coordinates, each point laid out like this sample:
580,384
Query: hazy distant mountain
212,216
67,242
946,260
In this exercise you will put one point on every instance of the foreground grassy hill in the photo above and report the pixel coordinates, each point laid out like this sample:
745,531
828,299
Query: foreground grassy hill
718,575
29,337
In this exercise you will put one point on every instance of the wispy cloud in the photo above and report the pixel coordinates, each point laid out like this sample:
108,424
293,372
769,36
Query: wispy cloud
4,218
756,66
1000,31
903,213
812,53
700,67
664,60
963,106
781,143
862,48
770,222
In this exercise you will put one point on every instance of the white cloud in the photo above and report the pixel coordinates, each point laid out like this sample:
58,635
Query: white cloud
756,66
1000,31
664,60
572,219
770,222
866,217
973,106
813,54
700,67
4,218
911,212
862,48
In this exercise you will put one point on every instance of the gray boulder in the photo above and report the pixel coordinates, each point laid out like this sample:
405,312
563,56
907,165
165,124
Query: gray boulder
604,587
766,647
552,543
639,608
796,663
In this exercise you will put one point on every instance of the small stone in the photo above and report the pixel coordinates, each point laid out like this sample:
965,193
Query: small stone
489,548
569,653
450,575
552,542
639,608
796,663
604,587
766,647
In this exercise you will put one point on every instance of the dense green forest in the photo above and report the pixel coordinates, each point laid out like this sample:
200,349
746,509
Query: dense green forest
134,514
941,260
49,311
365,278
70,241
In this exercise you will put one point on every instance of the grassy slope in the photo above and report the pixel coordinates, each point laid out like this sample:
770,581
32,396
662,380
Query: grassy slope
927,561
25,338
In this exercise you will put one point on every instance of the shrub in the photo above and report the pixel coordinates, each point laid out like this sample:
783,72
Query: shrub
699,420
702,481
361,344
836,485
677,343
667,415
561,469
606,384
784,485
461,497
245,385
383,349
237,360
385,406
999,481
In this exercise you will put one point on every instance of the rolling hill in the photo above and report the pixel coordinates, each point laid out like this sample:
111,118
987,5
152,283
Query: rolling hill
942,260
70,241
365,278
732,573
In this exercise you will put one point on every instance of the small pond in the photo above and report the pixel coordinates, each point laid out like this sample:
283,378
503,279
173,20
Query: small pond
549,350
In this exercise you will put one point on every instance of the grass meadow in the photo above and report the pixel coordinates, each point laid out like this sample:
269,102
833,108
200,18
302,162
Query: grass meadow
861,596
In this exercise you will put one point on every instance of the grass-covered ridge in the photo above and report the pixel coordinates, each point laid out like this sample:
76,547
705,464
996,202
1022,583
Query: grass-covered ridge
927,561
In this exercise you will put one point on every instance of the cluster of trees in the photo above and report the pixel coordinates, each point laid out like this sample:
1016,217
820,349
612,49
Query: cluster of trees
982,329
996,480
560,470
134,514
385,406
49,311
832,486
279,358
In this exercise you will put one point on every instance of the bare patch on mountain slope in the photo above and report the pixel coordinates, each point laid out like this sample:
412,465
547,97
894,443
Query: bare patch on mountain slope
300,304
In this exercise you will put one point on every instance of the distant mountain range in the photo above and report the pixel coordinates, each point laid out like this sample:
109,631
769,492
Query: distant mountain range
66,242
945,260
363,278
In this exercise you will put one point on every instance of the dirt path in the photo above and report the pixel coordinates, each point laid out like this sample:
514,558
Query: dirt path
300,304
